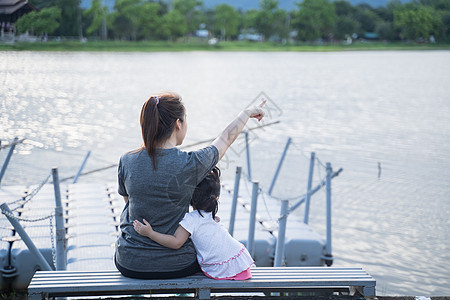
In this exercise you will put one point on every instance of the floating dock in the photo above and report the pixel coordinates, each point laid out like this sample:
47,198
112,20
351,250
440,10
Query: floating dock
74,226
91,214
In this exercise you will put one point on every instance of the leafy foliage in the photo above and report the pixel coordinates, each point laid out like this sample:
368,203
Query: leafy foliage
45,21
311,20
315,19
97,14
227,19
417,21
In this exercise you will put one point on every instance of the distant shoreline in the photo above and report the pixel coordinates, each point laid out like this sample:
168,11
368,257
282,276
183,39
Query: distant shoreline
163,46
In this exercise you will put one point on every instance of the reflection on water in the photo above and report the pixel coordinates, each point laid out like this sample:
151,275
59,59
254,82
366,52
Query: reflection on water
353,109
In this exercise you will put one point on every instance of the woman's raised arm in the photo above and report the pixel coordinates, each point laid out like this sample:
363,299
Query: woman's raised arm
232,131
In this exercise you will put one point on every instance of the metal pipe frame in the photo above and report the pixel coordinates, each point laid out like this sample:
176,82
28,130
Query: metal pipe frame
247,150
81,167
328,244
313,191
277,171
235,197
43,264
308,188
279,248
61,255
251,227
8,158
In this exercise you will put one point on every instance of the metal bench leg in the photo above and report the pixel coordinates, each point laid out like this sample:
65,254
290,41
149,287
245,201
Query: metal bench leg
369,292
203,293
35,296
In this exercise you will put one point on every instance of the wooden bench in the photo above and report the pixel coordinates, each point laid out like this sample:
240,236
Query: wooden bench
47,284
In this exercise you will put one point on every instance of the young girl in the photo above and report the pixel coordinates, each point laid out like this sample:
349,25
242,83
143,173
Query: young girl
219,255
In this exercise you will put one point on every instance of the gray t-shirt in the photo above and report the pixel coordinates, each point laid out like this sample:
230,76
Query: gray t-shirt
161,197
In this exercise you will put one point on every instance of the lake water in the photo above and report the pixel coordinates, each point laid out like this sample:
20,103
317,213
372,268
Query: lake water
353,109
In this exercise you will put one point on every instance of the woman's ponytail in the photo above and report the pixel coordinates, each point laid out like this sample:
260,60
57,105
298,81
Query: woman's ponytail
158,116
149,126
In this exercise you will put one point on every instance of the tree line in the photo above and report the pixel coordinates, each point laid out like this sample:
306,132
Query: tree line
312,20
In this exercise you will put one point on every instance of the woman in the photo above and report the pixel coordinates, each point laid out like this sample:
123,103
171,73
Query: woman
220,256
157,182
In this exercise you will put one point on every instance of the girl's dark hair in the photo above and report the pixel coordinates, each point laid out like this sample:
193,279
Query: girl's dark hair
206,193
158,116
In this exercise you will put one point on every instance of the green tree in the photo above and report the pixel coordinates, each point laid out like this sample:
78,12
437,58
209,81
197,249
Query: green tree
346,26
249,20
70,17
269,20
367,17
280,25
174,25
393,5
416,21
344,8
395,31
190,10
227,19
40,4
314,19
150,21
385,30
436,4
98,14
126,18
441,8
445,31
45,21
70,23
384,13
209,16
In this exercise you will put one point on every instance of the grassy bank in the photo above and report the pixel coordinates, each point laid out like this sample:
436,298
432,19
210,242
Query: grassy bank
162,46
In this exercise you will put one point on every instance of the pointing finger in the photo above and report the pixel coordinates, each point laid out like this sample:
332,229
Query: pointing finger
262,103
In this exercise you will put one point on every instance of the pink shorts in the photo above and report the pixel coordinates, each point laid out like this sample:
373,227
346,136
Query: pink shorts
247,274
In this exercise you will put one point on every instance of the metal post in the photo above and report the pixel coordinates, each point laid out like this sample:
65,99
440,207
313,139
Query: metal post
235,196
247,150
81,167
279,249
8,157
308,188
328,245
274,179
251,227
43,264
314,190
61,256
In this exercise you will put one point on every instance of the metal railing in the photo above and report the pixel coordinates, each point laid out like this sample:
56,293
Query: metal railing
327,257
11,146
60,255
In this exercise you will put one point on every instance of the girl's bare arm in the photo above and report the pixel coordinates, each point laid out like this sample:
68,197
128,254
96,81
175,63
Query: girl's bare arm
174,241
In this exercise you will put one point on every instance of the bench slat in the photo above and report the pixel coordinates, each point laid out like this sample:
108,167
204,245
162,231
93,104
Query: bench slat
260,274
257,269
254,272
79,283
100,281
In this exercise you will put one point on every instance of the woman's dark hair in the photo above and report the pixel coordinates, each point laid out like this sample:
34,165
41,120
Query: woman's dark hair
206,193
158,116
